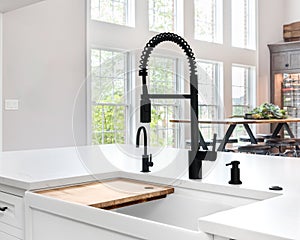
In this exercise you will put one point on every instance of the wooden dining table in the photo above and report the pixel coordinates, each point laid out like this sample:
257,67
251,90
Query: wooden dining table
233,122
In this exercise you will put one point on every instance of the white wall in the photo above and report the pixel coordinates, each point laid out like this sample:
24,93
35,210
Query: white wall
292,13
269,31
271,16
44,67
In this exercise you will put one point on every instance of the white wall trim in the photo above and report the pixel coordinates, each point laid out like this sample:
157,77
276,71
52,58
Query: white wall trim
1,79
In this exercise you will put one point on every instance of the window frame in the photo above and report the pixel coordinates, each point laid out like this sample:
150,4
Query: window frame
178,141
251,91
129,18
218,18
178,16
123,39
126,103
218,73
250,41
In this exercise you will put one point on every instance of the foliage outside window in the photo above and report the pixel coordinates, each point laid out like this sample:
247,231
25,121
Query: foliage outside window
163,79
243,24
243,99
208,87
208,20
108,86
112,11
162,15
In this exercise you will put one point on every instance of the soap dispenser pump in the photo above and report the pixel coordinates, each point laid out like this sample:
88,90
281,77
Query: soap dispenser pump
235,173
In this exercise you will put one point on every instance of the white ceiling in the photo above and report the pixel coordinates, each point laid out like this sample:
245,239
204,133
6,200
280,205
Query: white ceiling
8,5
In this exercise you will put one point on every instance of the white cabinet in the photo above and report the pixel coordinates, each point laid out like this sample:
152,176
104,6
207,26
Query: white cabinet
11,216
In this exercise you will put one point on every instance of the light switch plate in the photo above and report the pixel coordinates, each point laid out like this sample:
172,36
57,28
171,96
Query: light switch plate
11,104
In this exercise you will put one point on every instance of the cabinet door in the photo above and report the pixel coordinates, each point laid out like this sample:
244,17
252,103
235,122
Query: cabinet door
294,58
12,210
4,236
280,61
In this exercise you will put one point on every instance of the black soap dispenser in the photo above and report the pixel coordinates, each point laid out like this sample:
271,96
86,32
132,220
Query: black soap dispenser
235,173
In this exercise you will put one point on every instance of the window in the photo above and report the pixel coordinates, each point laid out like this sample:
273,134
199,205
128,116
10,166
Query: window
243,93
243,24
114,77
209,75
112,11
208,20
163,78
108,86
162,15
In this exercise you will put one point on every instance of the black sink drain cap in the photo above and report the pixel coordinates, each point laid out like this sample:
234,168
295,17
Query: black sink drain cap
276,188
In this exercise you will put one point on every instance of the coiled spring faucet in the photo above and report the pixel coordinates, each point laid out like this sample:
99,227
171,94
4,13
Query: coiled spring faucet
147,159
195,157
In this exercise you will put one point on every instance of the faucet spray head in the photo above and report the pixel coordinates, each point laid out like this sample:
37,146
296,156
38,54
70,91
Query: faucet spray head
145,111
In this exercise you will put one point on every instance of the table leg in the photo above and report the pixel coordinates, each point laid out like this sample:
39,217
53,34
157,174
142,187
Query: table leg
277,130
287,128
291,134
226,137
252,138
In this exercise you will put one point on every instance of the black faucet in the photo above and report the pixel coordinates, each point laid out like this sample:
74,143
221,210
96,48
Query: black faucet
195,156
147,159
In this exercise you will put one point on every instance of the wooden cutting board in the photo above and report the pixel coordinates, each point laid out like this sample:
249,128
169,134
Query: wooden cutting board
110,194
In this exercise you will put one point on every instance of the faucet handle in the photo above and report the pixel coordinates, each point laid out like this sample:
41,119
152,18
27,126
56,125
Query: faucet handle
150,163
147,162
214,142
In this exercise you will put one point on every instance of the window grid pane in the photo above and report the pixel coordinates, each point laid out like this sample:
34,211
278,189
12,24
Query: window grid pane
207,20
208,96
163,80
109,109
243,23
162,15
241,98
112,11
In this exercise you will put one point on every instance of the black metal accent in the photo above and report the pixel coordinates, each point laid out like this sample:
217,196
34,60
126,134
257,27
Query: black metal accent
276,188
287,128
195,162
277,130
146,159
193,96
169,96
145,113
229,131
3,209
147,162
279,127
162,37
235,173
226,137
252,138
202,142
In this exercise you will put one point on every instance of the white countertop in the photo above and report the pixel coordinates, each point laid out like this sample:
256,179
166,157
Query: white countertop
274,218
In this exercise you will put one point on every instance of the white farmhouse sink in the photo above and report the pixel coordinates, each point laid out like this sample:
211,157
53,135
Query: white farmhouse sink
184,207
174,217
